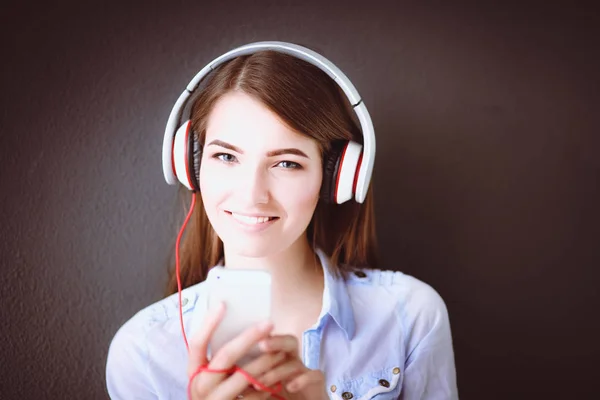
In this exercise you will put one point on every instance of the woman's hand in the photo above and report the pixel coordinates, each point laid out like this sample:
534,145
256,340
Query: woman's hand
299,382
225,386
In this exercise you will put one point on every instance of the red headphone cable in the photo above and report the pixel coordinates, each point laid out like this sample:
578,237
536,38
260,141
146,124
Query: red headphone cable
204,368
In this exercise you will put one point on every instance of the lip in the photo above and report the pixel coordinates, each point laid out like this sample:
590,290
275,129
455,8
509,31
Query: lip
252,227
253,215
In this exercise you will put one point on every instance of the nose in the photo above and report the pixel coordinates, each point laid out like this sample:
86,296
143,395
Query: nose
255,185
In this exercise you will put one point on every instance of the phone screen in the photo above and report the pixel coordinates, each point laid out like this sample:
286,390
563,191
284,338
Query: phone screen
247,298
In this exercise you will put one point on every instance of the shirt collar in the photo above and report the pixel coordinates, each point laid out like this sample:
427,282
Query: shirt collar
336,301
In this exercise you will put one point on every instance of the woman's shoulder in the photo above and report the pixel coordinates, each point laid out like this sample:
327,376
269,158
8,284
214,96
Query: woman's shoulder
158,318
407,320
161,313
412,298
388,280
151,336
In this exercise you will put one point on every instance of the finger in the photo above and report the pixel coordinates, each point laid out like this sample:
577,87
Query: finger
252,394
287,343
311,377
199,342
239,346
264,363
249,394
229,355
241,380
283,372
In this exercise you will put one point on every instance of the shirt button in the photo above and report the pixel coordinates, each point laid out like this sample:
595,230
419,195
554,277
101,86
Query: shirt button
184,302
347,395
384,383
360,274
333,388
396,371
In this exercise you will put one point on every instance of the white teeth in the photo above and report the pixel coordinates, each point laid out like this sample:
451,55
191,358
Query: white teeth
250,220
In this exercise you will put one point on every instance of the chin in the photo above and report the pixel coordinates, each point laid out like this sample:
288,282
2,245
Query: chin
254,250
257,246
274,240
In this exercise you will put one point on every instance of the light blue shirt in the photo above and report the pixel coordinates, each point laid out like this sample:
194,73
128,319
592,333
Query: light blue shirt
381,334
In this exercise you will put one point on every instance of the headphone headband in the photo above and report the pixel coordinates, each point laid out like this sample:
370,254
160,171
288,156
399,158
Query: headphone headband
368,157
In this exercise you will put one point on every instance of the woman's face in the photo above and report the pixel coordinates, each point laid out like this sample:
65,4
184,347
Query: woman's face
259,180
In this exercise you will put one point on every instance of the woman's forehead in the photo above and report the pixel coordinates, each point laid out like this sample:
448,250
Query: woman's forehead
239,119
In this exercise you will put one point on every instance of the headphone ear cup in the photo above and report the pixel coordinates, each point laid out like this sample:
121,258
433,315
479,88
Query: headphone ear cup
331,165
340,172
186,156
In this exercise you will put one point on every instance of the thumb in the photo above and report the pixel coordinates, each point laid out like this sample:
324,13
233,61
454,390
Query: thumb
200,340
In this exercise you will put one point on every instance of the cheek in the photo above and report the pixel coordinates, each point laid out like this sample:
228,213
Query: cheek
211,187
300,199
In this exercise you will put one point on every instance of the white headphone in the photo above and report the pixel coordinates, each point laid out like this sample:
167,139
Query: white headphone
347,170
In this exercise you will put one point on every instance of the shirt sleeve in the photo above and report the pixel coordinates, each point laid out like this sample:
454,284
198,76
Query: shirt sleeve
126,367
430,372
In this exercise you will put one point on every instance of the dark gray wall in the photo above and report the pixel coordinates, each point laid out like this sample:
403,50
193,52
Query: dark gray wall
486,176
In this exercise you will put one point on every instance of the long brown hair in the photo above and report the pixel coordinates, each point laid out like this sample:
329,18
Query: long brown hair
311,103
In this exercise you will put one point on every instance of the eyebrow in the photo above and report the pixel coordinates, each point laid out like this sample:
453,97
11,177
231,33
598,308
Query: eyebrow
271,153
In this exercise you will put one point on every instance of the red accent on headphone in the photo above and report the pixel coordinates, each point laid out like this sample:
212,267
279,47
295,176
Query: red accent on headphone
337,179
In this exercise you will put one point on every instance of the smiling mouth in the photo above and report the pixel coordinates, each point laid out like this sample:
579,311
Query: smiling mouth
251,220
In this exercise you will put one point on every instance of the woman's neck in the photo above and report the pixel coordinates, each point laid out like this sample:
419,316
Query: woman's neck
297,279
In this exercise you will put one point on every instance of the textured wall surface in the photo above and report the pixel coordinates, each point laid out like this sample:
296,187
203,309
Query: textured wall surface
486,179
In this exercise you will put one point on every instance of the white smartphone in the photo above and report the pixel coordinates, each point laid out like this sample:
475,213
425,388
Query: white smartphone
247,298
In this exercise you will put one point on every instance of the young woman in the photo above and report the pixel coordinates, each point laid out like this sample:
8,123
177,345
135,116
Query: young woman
272,129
